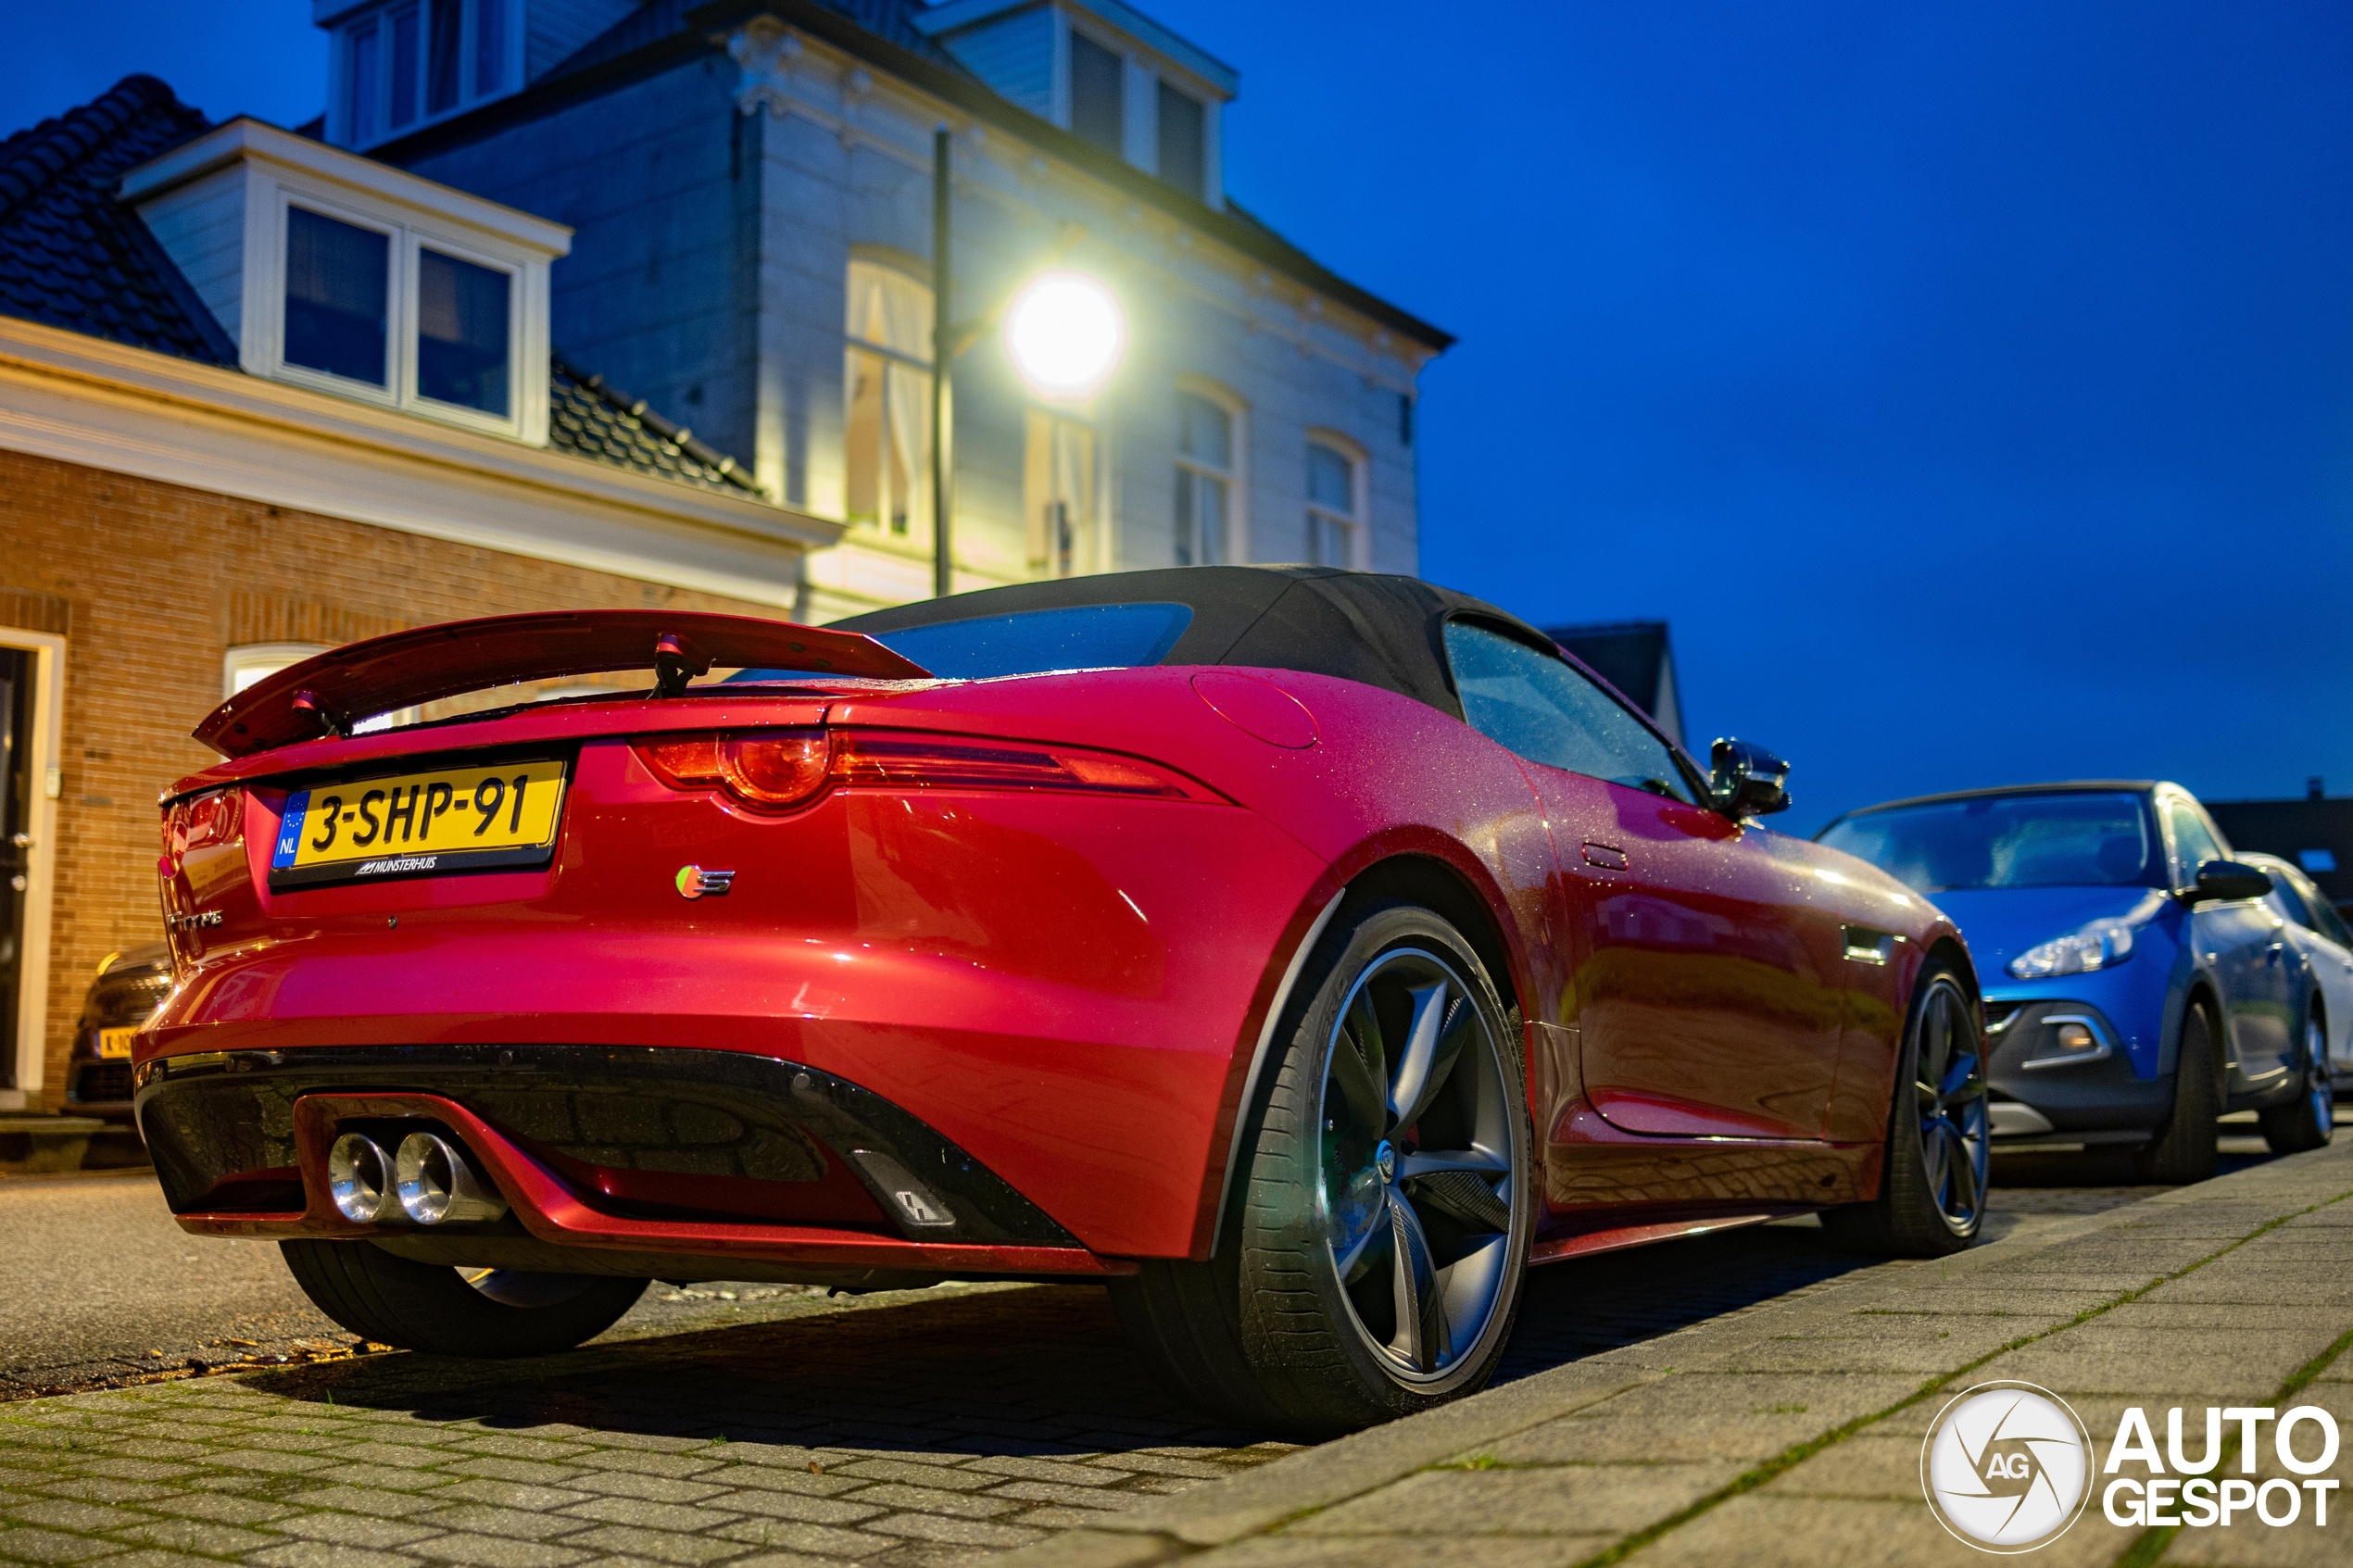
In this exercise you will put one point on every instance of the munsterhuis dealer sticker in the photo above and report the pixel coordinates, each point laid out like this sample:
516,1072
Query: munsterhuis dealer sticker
2007,1467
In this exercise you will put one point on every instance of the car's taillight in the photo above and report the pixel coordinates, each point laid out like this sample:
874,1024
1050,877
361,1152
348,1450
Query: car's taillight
937,762
199,822
768,769
775,770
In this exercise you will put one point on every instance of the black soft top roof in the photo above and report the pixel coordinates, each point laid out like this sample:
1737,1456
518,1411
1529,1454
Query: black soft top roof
1382,630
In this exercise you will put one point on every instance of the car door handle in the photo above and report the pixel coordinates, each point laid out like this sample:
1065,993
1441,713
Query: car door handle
1608,857
2271,954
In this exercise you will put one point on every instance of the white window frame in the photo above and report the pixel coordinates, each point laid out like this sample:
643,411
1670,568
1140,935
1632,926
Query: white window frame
340,131
1143,67
1359,524
274,303
46,769
458,413
526,415
1237,474
258,662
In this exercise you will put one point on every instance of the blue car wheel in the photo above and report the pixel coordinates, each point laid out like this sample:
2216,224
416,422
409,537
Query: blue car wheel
2183,1149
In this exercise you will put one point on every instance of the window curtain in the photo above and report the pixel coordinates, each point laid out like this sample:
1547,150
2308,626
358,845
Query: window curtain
907,413
892,311
1075,488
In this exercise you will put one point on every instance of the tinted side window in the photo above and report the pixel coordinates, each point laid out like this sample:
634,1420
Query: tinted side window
2194,842
2289,901
2309,907
1536,705
2330,924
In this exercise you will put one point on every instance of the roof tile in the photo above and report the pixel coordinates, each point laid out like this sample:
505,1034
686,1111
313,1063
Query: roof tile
70,254
592,420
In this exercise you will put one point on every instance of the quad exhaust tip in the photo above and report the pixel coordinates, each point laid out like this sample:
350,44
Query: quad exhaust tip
428,1182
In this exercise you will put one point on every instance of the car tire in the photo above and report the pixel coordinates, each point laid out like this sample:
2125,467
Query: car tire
2310,1119
1933,1180
448,1312
1370,1263
2183,1149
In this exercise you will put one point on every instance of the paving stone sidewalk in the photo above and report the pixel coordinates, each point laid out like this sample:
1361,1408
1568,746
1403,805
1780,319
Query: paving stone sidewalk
911,1433
1790,1435
894,1431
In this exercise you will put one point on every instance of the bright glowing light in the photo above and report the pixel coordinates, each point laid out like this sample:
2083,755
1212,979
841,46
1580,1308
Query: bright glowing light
1065,333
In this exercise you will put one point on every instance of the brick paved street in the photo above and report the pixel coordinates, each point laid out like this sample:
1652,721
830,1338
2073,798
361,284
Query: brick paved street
1790,1433
781,1426
900,1433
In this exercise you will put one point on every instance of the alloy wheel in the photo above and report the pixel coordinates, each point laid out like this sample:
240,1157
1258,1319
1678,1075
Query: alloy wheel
1420,1152
1949,1089
2320,1085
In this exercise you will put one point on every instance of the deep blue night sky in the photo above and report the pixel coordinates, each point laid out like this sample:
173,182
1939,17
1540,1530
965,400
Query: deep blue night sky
1971,384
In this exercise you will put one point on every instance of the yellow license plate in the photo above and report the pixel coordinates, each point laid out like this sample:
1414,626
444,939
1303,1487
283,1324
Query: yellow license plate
420,824
113,1043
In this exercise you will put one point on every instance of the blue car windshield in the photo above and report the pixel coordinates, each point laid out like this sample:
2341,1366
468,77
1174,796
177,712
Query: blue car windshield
2039,840
1031,643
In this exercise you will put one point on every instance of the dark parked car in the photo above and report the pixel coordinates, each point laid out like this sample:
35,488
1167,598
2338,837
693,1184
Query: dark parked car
2139,983
130,987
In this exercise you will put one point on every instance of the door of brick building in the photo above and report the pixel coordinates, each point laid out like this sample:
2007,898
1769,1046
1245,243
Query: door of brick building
16,845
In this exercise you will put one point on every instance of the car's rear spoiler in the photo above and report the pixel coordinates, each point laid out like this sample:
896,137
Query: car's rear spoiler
325,694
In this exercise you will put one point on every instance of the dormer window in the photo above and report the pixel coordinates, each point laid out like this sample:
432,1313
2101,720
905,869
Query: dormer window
338,290
1098,107
376,308
406,64
341,274
1182,126
1101,71
463,313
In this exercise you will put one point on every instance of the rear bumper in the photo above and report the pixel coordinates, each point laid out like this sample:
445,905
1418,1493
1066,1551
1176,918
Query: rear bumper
672,1162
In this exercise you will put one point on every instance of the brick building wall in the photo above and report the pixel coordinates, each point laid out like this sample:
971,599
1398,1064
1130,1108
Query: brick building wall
151,584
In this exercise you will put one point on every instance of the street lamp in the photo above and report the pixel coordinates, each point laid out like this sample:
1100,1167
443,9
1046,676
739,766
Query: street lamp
1064,332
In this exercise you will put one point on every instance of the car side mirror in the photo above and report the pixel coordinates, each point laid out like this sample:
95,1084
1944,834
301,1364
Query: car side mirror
1746,780
2219,882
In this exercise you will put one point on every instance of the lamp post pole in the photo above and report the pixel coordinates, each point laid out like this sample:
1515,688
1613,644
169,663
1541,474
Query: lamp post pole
943,406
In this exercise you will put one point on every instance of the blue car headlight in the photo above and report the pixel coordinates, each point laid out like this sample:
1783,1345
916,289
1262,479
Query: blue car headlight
2098,946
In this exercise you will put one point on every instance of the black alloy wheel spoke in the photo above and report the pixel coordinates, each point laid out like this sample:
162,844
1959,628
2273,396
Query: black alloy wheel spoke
1359,1086
1430,1163
1966,1194
1936,1156
1936,1045
1364,1252
1364,1026
1961,1084
1432,1045
1422,1335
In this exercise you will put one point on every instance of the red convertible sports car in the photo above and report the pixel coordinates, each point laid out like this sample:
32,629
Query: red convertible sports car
1301,953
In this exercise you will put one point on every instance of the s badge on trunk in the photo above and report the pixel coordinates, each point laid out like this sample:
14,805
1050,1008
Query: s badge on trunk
694,882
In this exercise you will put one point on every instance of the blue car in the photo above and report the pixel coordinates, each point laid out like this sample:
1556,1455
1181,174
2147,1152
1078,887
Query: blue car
2138,984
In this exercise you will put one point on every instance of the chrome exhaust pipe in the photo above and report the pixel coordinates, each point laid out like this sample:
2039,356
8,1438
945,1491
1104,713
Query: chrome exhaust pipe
437,1185
359,1179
